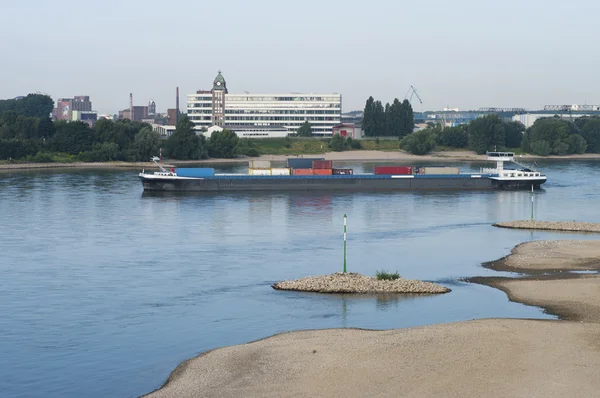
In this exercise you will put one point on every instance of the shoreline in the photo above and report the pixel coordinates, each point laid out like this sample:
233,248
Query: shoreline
356,155
491,357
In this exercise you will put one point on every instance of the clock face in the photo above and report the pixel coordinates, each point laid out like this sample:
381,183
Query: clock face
218,83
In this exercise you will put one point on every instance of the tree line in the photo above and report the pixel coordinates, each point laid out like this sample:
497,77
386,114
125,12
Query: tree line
28,133
395,119
547,136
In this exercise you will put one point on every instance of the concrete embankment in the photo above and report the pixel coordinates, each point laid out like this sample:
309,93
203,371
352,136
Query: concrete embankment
355,283
570,226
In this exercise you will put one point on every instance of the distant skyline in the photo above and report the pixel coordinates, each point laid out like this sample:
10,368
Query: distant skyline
462,54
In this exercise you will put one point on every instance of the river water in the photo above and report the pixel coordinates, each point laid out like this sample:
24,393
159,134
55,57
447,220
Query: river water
105,289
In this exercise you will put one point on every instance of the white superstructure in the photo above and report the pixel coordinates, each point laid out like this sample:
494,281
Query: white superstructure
288,111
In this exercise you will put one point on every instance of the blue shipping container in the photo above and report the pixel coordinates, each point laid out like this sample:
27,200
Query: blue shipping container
195,172
301,163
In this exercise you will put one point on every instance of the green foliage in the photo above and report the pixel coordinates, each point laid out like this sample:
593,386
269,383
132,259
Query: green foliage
33,105
513,134
454,137
577,144
591,133
354,144
73,137
541,148
420,142
486,133
146,144
104,152
247,147
305,130
337,143
184,143
223,144
387,276
395,119
17,148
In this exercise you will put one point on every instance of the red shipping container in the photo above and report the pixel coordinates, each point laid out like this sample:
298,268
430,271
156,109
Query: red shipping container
322,164
303,172
322,172
397,170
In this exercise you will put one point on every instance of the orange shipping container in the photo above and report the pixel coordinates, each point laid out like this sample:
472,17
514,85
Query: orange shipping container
303,172
322,172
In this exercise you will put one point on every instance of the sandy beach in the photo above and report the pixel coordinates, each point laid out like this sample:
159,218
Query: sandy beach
357,155
490,357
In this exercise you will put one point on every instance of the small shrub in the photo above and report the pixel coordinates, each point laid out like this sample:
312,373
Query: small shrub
387,276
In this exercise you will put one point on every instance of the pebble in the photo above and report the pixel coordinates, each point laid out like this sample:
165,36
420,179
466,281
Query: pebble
350,282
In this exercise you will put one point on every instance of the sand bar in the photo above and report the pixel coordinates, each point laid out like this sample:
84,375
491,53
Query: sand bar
570,226
355,283
492,358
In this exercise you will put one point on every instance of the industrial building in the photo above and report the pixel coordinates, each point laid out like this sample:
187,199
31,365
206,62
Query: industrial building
265,113
78,108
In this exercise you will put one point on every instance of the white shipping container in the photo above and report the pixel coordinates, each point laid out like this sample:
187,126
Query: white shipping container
259,172
280,171
260,164
439,170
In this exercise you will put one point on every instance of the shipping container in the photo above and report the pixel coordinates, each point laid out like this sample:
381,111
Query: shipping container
301,163
259,172
396,170
303,172
322,164
260,164
195,172
322,172
280,171
342,171
439,170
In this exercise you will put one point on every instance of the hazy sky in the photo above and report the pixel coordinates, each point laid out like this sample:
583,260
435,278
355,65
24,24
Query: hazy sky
462,53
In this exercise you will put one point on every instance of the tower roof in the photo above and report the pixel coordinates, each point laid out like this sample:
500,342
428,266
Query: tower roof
219,82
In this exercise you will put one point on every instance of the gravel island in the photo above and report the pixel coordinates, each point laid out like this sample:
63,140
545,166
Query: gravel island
350,282
571,226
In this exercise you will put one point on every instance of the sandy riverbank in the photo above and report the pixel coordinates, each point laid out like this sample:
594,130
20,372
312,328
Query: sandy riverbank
493,357
358,155
566,226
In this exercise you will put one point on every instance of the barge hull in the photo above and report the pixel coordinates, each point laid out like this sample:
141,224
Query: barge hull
329,183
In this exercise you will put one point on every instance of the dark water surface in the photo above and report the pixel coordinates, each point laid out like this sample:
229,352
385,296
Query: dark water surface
105,289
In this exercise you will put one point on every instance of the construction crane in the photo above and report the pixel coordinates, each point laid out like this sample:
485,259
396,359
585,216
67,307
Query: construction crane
412,91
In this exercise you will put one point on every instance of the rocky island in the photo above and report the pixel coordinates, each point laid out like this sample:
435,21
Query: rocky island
351,282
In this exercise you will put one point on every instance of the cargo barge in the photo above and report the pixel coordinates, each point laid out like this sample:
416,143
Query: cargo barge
317,174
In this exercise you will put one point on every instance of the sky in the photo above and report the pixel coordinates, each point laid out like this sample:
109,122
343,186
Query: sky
462,54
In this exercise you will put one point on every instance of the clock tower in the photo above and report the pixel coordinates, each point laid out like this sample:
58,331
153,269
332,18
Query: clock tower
218,100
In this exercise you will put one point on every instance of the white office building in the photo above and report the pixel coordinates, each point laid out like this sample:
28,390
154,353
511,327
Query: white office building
264,114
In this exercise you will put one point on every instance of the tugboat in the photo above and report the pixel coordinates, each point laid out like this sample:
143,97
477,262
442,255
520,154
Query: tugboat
307,174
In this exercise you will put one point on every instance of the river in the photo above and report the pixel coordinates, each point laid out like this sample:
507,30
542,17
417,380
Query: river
105,289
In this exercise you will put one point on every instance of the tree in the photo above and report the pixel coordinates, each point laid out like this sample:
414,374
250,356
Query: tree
513,134
394,117
553,131
419,143
577,144
73,137
146,144
591,133
305,130
408,118
453,137
486,133
222,144
378,119
368,120
33,105
337,143
184,144
46,128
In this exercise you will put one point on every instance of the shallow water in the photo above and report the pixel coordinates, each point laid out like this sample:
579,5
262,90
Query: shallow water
106,289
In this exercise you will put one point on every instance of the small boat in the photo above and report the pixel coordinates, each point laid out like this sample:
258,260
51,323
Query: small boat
322,176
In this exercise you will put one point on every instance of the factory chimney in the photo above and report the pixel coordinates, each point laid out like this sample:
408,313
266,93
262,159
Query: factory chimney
177,104
131,106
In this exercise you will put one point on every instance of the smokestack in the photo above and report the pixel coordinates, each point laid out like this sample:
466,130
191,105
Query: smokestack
177,99
130,106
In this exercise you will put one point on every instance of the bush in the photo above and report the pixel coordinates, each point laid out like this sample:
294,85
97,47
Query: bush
387,276
354,144
541,148
337,143
577,144
419,143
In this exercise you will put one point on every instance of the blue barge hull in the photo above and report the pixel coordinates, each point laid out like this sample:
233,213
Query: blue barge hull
356,182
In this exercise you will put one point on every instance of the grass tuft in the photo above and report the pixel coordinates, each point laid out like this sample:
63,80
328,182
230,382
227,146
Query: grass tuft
387,276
